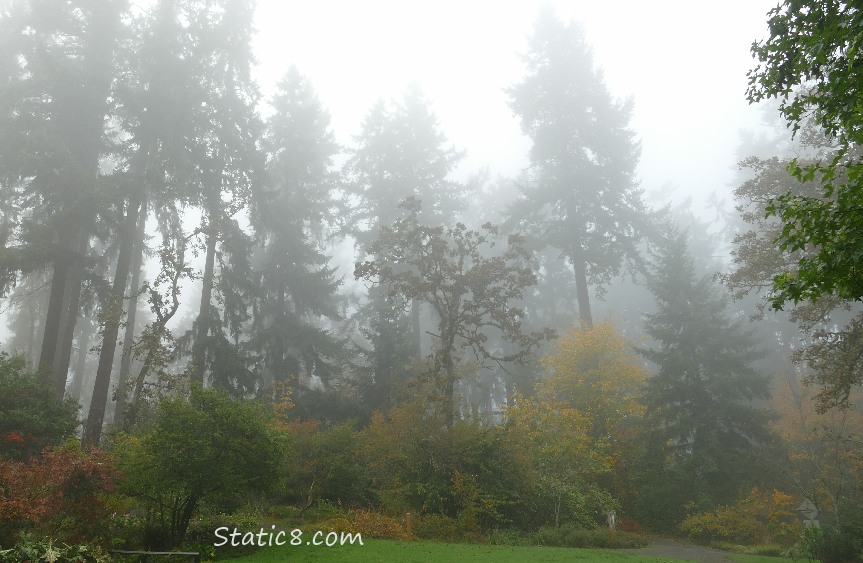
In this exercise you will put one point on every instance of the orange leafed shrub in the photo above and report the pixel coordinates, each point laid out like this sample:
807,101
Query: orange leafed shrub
759,518
370,524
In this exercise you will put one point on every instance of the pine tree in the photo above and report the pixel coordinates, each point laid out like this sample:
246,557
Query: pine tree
57,84
296,286
582,198
227,166
705,428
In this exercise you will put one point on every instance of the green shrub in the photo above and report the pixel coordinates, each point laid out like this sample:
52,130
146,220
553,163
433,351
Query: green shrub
323,510
205,450
201,536
569,536
324,464
414,464
509,537
833,545
31,415
437,527
124,528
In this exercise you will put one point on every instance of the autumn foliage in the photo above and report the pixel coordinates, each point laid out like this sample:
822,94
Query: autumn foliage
759,517
62,493
594,369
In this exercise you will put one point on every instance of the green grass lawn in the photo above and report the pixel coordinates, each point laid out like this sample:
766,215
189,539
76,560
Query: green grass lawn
417,551
756,558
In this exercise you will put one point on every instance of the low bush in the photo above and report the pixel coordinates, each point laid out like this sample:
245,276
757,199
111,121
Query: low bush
437,527
31,415
569,536
766,550
29,548
509,537
759,518
201,535
833,545
631,526
369,524
204,450
63,493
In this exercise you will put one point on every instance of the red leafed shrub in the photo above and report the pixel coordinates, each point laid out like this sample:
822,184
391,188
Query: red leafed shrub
631,526
61,493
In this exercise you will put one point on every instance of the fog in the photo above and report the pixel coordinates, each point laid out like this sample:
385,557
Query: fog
684,64
515,269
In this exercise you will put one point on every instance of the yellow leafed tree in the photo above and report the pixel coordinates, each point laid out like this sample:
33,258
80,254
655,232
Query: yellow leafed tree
566,462
595,371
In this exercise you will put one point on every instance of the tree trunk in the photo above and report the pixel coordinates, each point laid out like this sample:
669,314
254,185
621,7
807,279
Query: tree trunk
128,338
580,268
449,367
51,335
80,365
416,328
199,348
446,351
87,103
113,315
71,303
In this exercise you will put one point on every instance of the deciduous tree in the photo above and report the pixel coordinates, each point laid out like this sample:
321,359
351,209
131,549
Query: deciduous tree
400,153
208,448
809,63
471,292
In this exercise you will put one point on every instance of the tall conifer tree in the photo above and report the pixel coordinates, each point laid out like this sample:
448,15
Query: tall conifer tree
582,198
297,287
705,429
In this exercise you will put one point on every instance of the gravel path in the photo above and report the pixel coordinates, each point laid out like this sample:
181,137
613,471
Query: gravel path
685,551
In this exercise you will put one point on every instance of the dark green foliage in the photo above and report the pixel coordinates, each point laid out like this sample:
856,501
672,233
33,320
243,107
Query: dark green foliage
204,449
330,406
31,415
809,63
325,465
467,473
55,100
385,380
227,164
296,297
29,548
835,544
704,430
400,153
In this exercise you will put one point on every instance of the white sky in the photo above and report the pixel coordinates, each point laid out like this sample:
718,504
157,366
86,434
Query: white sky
684,62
